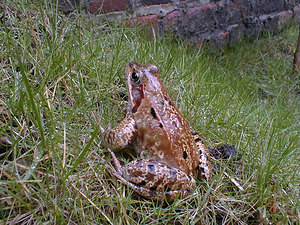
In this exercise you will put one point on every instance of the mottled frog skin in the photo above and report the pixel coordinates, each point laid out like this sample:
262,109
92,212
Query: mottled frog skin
170,154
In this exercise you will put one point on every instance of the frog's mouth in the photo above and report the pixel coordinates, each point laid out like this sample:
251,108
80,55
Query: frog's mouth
137,95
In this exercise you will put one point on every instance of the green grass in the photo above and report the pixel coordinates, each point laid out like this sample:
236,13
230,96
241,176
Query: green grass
61,75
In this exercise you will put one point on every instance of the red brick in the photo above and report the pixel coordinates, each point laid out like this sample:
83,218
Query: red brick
173,15
143,20
172,18
199,9
198,43
201,18
105,6
223,35
148,23
154,2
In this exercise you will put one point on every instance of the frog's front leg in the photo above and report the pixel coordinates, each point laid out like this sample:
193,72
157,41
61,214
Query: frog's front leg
154,180
122,136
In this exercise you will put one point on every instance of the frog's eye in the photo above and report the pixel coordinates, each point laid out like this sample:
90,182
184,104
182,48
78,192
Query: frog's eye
135,78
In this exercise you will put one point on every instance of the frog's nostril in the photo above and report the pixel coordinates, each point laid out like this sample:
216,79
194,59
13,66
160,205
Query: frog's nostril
151,168
143,183
153,188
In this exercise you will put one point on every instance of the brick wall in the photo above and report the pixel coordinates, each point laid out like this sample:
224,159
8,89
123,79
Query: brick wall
223,22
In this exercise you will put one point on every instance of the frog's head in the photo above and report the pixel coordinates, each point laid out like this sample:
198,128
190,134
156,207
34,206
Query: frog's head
142,83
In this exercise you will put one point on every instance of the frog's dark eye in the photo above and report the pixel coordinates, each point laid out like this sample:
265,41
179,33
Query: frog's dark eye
135,78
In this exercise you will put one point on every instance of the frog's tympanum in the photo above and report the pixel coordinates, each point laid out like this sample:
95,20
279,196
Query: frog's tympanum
170,153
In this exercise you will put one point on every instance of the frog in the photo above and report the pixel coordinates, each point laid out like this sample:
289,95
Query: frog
170,154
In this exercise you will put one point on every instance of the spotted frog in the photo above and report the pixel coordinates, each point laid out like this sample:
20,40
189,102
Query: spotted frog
170,154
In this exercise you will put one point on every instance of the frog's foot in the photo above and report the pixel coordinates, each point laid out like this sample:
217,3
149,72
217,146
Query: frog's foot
205,168
120,137
155,180
116,162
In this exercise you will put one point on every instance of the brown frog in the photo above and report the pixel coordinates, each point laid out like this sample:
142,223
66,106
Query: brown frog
170,153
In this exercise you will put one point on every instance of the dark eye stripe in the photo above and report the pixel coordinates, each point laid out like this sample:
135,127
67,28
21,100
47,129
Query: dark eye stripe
170,103
198,140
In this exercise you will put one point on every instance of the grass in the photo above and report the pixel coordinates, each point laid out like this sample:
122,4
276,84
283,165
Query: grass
61,75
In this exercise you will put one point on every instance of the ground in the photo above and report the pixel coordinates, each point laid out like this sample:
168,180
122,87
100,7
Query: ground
63,75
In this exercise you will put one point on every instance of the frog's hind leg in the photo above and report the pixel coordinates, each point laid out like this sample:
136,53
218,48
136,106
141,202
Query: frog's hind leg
154,180
205,168
119,174
153,194
140,190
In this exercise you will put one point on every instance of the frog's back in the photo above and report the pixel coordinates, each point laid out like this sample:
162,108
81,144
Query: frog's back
163,133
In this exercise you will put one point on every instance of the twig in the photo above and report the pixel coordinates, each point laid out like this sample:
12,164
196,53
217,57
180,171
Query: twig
93,204
234,181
